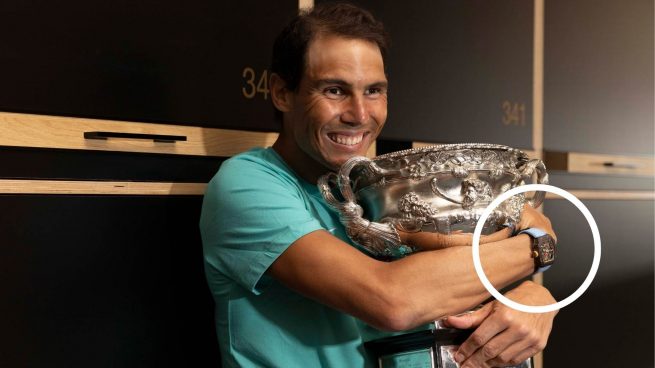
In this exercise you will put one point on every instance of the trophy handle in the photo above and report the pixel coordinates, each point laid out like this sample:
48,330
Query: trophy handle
531,167
325,187
343,178
380,239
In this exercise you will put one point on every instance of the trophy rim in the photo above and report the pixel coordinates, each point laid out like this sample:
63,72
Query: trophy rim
451,147
373,190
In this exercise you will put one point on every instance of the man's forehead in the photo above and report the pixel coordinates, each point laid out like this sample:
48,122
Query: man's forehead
340,58
327,44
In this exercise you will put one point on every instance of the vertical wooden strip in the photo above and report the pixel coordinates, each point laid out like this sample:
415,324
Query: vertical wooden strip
538,109
538,79
305,4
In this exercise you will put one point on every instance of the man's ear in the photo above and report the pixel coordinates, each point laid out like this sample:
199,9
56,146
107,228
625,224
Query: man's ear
282,97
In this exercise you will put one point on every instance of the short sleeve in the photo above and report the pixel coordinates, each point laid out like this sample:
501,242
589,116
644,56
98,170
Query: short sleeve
252,212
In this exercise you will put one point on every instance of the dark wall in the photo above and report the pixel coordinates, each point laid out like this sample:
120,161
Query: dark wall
37,163
610,325
598,76
103,281
117,281
598,98
459,71
191,63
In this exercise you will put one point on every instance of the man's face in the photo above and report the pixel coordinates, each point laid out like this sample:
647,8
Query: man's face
341,103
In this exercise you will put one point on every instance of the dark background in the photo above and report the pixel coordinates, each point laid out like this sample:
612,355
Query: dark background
143,60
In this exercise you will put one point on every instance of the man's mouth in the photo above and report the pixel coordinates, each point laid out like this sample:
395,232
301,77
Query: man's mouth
347,140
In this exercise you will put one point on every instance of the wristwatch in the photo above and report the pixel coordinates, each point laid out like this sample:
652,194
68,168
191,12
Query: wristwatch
543,248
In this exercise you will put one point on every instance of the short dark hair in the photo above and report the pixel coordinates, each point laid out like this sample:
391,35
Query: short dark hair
331,18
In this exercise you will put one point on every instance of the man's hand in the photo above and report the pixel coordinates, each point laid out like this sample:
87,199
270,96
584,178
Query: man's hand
432,241
530,217
504,336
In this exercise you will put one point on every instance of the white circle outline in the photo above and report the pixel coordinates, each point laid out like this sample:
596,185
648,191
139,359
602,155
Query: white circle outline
537,308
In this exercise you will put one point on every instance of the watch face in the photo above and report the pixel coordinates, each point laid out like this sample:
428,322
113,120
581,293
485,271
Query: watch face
546,250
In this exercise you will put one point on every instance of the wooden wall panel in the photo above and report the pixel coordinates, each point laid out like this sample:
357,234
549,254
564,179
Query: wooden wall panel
44,131
601,182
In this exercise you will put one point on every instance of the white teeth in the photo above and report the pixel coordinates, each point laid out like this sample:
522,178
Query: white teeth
346,140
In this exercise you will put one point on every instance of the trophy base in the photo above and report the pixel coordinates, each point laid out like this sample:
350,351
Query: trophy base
424,349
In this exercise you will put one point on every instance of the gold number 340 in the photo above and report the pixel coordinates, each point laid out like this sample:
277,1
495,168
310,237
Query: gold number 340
251,89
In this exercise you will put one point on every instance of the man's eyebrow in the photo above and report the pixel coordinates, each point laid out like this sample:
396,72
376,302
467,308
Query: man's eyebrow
341,82
380,84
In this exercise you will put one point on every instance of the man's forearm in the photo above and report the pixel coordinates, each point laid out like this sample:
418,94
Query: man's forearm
444,282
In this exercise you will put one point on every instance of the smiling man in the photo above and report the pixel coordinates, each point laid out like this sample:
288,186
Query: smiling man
291,290
338,108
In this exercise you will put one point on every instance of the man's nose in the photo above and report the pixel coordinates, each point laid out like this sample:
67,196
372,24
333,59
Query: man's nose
357,111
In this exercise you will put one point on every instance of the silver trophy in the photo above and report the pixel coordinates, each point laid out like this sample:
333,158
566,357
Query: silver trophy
443,189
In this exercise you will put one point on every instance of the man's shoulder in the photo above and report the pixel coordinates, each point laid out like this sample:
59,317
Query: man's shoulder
257,168
253,157
256,159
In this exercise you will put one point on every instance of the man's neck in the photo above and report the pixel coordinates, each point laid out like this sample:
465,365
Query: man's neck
301,163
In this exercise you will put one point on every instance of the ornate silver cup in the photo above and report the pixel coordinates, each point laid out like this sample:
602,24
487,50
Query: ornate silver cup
441,188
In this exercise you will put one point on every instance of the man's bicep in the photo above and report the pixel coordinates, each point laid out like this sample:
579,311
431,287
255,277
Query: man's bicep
324,268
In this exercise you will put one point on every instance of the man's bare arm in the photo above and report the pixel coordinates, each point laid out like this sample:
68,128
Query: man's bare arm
402,294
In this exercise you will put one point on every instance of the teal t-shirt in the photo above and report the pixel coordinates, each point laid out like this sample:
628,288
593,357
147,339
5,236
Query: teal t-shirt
254,208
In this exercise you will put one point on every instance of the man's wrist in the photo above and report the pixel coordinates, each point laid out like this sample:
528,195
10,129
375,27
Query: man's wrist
542,248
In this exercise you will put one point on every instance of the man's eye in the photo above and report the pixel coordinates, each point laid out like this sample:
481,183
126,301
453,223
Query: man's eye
373,91
334,91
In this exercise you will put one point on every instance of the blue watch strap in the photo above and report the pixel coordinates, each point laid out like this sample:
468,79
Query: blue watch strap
535,233
542,269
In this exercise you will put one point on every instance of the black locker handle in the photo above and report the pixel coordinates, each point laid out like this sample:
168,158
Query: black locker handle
154,137
619,166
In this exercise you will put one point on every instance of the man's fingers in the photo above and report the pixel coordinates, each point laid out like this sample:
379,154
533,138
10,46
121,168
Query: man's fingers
480,337
530,217
513,356
507,337
527,342
468,320
510,347
486,354
497,236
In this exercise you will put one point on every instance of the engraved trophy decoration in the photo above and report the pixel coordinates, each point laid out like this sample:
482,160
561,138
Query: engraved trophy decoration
442,189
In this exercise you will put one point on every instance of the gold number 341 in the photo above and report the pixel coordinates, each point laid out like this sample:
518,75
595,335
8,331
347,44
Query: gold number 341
513,113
